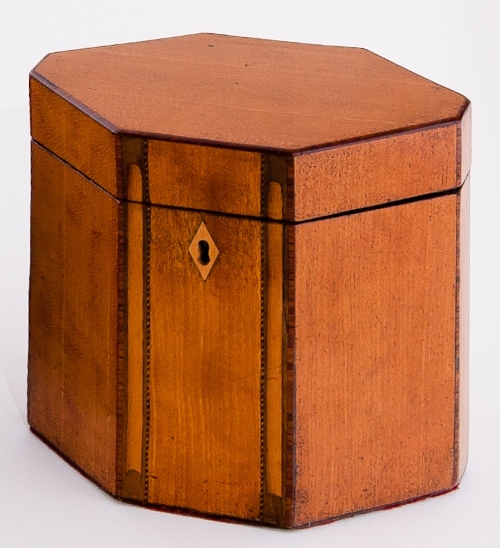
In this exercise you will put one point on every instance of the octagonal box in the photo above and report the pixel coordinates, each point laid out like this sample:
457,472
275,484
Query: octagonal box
248,292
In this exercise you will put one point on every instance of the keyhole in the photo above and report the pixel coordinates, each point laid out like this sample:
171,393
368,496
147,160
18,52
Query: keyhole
204,256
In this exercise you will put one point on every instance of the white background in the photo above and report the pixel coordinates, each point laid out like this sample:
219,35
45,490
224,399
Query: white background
43,501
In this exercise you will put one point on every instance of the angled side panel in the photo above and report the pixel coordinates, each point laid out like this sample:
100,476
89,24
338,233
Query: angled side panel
367,173
73,136
73,323
375,358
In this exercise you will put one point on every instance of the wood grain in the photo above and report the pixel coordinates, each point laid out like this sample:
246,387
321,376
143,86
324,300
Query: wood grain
133,484
73,136
206,178
462,442
374,172
465,144
72,359
289,375
205,370
247,93
132,477
375,358
273,333
314,369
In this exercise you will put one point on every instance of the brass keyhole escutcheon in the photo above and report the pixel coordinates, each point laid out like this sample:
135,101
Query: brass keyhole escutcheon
203,251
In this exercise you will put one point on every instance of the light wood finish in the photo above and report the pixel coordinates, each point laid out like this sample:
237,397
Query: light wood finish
207,178
274,358
203,263
73,136
205,368
134,183
465,144
275,200
375,172
375,358
462,419
247,92
274,186
73,317
133,483
317,365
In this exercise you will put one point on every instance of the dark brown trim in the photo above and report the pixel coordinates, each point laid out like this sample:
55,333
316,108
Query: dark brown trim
317,147
289,386
458,156
122,347
456,409
263,367
146,321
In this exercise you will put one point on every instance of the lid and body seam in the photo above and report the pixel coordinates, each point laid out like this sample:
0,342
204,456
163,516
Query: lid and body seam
288,197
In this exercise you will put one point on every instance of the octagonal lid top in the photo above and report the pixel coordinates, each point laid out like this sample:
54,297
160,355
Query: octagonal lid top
247,93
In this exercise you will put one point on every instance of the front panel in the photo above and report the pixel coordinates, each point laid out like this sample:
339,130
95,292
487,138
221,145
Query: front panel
204,362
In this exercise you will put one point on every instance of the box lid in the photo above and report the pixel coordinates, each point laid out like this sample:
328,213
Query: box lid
250,127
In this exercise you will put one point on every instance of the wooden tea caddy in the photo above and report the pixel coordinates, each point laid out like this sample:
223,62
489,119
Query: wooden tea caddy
249,276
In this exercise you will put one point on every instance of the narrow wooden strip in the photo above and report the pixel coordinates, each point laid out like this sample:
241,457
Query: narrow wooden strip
365,174
274,373
289,191
456,411
274,184
147,343
121,349
131,152
263,367
289,349
465,144
289,382
147,237
463,319
135,336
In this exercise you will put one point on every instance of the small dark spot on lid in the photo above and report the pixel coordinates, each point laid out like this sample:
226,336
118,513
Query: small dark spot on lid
210,45
247,65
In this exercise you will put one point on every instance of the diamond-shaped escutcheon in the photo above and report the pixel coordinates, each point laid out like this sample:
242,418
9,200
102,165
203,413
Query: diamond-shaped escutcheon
204,251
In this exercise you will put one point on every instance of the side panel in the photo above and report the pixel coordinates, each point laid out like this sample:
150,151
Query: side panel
76,138
73,322
375,358
377,171
204,365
